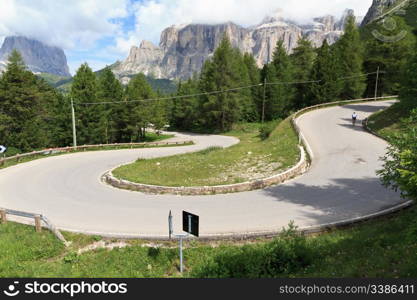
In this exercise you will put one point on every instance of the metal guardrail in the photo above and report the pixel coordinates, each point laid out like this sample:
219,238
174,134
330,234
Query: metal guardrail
50,151
38,219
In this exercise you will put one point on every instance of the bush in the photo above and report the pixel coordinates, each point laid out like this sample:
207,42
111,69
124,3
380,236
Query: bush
12,151
287,254
209,150
400,163
266,129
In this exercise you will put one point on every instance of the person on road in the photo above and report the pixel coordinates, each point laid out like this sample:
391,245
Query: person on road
354,118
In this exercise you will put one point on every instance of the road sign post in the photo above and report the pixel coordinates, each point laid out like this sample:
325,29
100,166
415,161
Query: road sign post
170,227
190,224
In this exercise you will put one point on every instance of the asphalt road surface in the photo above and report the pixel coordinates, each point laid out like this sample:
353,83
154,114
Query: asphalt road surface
340,185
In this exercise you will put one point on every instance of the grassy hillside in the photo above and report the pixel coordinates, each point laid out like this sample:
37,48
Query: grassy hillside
389,122
384,248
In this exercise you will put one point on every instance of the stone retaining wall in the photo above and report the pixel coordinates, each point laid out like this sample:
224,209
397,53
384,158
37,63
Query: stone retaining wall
298,169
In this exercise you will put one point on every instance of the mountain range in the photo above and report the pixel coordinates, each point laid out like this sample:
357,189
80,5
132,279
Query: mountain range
183,49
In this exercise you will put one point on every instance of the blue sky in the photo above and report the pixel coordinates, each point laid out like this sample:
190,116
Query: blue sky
101,32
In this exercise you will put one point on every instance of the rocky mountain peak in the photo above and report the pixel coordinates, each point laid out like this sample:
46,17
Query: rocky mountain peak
39,57
147,45
378,7
184,48
275,18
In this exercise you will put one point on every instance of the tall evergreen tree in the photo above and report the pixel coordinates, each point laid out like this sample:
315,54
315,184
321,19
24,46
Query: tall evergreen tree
280,91
350,51
110,90
185,110
326,73
303,60
268,75
91,119
408,91
140,113
256,91
21,107
389,55
224,71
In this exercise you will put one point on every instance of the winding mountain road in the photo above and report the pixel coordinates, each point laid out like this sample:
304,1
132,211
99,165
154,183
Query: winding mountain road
340,185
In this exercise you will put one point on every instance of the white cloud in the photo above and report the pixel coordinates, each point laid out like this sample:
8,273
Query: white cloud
152,16
68,24
95,27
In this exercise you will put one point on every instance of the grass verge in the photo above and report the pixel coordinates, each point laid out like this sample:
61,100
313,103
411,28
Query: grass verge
387,123
253,158
386,247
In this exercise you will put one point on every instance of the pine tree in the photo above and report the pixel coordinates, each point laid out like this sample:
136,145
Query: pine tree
408,91
268,75
390,56
303,60
60,122
91,119
256,91
110,90
140,112
185,110
159,117
225,70
280,75
350,51
326,73
21,107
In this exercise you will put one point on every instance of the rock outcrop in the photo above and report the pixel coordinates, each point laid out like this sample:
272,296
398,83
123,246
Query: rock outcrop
39,58
378,8
184,48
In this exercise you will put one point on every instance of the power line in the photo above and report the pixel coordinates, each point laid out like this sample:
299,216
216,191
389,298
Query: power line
176,97
222,91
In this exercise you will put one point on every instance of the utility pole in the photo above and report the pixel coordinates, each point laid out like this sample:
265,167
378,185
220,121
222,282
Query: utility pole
376,83
74,130
263,102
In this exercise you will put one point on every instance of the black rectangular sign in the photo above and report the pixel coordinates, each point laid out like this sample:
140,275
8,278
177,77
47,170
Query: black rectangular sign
190,220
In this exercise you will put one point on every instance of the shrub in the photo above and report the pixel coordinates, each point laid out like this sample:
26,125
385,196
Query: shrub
400,163
288,253
12,151
210,149
266,129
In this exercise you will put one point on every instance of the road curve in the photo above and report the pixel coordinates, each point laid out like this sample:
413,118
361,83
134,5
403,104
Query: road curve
340,185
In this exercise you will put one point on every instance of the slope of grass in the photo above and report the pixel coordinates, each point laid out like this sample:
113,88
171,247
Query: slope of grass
388,122
380,248
253,158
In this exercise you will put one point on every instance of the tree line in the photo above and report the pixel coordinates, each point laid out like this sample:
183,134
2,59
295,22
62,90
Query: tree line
307,76
34,115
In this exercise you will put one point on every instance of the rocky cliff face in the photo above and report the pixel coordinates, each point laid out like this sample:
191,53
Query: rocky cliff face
38,57
377,8
184,48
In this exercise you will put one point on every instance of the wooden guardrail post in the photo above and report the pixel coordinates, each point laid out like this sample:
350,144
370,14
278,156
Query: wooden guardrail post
38,224
3,216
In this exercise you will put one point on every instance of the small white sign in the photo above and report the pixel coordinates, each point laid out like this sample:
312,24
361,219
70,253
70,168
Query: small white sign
2,149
